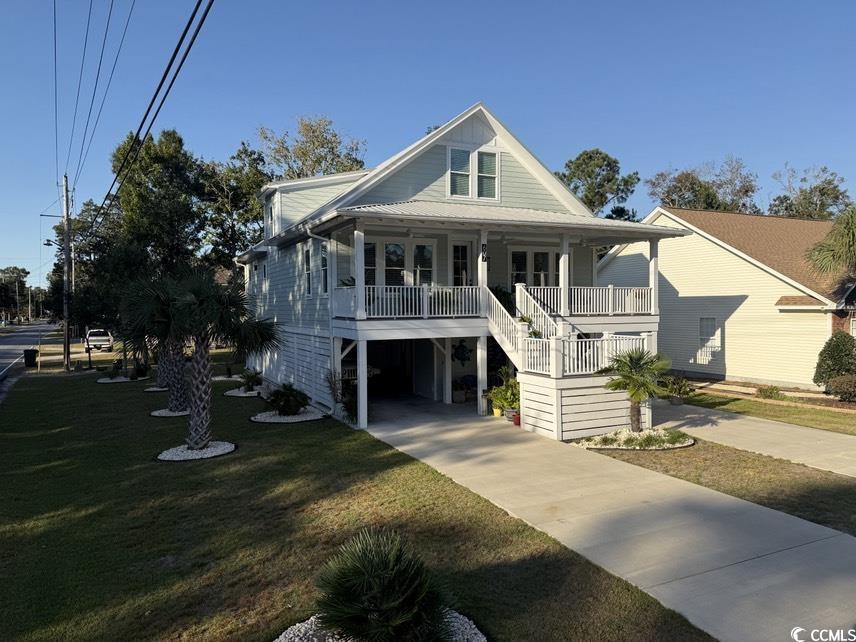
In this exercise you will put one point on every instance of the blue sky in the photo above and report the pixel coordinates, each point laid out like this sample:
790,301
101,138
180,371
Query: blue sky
659,84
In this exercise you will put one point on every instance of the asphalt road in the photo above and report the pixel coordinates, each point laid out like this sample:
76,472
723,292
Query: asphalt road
12,344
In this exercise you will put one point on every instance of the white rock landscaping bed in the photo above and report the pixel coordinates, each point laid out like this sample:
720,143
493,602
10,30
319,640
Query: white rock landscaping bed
225,378
625,439
462,629
240,392
273,417
155,389
165,412
119,379
183,453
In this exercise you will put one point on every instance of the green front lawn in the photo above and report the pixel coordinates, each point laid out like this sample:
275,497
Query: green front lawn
815,495
99,541
810,417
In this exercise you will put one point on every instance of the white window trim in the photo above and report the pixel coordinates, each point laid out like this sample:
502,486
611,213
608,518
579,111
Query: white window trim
306,268
853,326
324,279
530,262
408,243
472,242
474,167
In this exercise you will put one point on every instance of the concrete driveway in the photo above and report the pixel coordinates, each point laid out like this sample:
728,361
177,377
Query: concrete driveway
813,447
737,570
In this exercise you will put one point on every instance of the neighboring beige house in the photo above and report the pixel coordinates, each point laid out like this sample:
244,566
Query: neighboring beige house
738,298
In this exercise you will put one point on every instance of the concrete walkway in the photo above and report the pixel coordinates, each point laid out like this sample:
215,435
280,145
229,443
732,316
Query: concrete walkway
735,569
822,449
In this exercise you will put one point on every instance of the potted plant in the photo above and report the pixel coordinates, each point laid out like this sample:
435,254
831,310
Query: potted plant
288,400
497,399
251,379
515,418
677,389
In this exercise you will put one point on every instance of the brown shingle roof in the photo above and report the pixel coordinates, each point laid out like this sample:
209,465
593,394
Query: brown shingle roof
798,300
780,243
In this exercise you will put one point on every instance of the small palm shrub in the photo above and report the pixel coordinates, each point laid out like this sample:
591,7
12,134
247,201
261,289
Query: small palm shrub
288,400
837,358
638,373
377,588
676,386
770,392
251,379
843,387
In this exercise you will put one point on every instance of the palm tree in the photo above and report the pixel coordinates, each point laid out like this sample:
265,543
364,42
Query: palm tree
837,252
208,312
638,373
149,316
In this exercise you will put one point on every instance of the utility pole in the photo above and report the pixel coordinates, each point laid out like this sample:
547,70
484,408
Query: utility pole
30,304
66,261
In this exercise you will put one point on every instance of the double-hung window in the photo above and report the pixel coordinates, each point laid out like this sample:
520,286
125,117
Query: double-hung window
370,263
325,283
486,178
307,271
708,340
459,172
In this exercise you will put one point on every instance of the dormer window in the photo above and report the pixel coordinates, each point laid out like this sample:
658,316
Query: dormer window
459,172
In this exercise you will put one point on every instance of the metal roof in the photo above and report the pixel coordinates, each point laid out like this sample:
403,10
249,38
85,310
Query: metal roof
519,216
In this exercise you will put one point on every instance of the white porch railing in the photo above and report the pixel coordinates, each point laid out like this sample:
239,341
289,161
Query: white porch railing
578,356
549,298
609,300
502,323
587,356
541,322
410,301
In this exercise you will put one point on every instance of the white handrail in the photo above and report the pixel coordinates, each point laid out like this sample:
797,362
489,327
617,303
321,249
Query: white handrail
540,321
501,319
422,301
548,297
608,300
537,355
587,356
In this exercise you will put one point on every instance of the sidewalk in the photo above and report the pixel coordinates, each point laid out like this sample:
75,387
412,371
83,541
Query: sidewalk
813,447
735,569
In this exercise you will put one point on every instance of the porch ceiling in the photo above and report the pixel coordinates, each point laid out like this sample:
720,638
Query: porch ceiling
498,218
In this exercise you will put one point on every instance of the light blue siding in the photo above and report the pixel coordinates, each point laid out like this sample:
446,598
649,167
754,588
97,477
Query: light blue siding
297,204
282,297
424,178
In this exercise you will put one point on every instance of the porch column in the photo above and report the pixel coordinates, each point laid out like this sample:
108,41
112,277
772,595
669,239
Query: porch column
447,371
336,365
360,272
482,269
481,366
362,384
593,266
563,276
654,274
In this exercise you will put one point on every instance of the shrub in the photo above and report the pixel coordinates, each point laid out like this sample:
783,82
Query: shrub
288,400
677,386
344,393
229,371
251,379
843,387
837,358
377,588
770,392
506,396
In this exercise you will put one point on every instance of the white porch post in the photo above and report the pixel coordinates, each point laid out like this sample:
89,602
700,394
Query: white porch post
362,384
360,272
481,365
447,371
648,410
654,274
563,277
594,266
482,269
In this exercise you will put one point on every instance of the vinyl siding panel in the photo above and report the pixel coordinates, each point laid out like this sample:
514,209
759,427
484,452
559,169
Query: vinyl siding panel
701,279
294,205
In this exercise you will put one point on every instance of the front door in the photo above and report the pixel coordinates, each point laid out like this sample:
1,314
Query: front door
406,262
461,274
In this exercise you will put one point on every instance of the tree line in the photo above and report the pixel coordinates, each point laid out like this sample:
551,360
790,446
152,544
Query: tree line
814,193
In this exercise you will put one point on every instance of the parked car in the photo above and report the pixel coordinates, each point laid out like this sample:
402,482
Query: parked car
99,339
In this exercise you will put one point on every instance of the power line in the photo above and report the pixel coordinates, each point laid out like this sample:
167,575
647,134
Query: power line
166,93
136,137
95,87
80,166
79,83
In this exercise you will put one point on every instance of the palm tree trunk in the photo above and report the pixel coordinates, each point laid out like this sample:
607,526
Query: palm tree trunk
199,426
635,416
163,367
174,362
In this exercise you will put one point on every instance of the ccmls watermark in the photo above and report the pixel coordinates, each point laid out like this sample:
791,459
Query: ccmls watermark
799,634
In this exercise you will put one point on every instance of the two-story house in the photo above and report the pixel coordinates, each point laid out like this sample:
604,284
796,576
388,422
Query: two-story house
457,254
